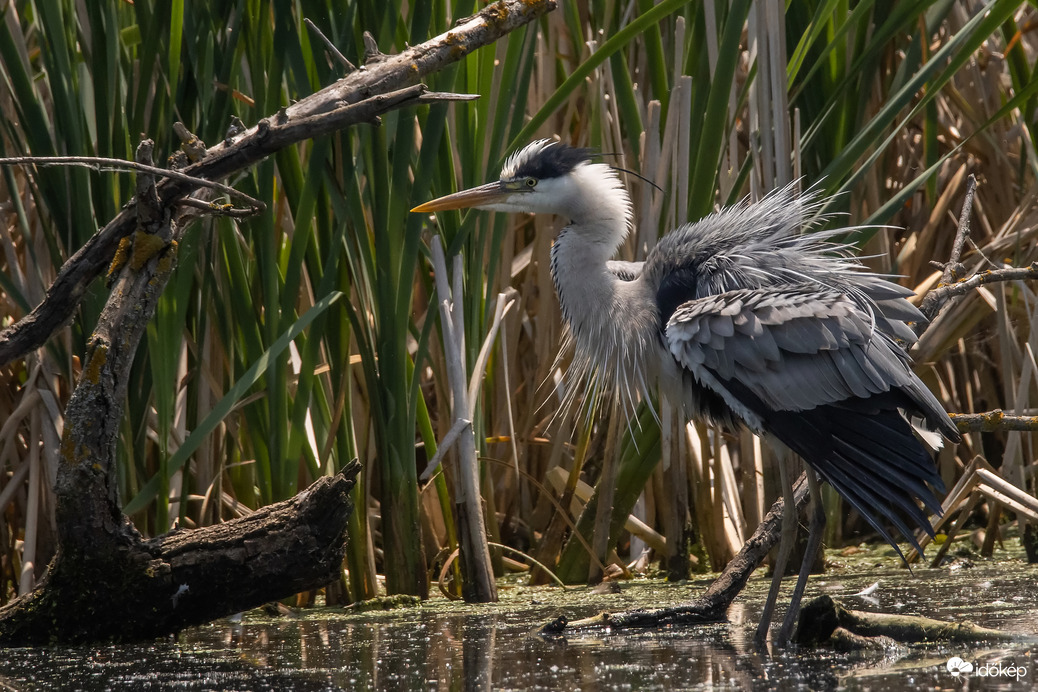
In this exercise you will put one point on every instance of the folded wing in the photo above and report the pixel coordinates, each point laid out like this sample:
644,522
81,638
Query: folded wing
809,366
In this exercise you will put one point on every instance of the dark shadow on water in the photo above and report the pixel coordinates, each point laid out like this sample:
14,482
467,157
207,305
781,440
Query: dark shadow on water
445,646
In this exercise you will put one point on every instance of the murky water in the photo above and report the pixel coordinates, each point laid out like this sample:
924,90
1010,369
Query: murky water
445,646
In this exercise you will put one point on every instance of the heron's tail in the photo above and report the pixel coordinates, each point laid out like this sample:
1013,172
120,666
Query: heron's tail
872,458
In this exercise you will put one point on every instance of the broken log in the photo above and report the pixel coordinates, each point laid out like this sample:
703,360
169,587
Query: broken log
822,619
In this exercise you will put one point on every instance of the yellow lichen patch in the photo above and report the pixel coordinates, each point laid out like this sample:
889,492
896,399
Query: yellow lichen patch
121,255
71,453
97,359
145,246
166,262
496,13
68,449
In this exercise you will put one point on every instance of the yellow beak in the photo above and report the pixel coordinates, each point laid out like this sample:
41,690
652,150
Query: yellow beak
473,197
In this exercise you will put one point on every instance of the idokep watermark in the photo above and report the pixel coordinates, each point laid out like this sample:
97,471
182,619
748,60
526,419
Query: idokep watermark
961,668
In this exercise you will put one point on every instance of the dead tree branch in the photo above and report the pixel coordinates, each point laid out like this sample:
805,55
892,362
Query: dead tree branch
100,163
105,576
712,605
951,286
938,297
954,269
823,617
993,421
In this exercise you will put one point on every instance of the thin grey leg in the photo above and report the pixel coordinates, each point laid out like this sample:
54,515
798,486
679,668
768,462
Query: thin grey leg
814,541
788,537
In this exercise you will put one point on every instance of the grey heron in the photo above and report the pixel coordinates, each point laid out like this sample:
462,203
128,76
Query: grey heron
741,319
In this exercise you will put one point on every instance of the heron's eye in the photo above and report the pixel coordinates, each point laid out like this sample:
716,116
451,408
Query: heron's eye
531,182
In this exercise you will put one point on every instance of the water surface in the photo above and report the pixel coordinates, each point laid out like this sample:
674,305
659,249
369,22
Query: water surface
449,646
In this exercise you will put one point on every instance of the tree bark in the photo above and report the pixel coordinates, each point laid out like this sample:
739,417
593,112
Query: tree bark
823,618
119,587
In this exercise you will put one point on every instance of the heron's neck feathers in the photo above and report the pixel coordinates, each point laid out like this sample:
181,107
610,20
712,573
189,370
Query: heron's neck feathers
608,318
600,211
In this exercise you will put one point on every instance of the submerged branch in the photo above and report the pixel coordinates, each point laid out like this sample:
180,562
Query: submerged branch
823,617
712,605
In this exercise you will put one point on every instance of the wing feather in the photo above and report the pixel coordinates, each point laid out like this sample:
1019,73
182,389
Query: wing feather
801,342
817,375
801,347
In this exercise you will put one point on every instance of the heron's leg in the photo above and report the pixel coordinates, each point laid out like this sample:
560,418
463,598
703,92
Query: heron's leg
786,540
814,540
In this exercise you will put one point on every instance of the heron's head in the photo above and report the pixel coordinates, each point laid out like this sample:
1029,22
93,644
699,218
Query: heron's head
550,178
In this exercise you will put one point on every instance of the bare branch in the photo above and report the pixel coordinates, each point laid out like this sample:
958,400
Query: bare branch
951,286
993,421
148,208
712,605
936,298
100,163
329,46
824,618
217,209
953,269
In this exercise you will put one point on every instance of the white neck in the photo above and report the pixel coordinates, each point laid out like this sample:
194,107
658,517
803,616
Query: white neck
609,319
578,270
600,212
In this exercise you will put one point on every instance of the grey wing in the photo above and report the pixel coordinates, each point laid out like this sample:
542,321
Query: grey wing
806,365
892,309
792,348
